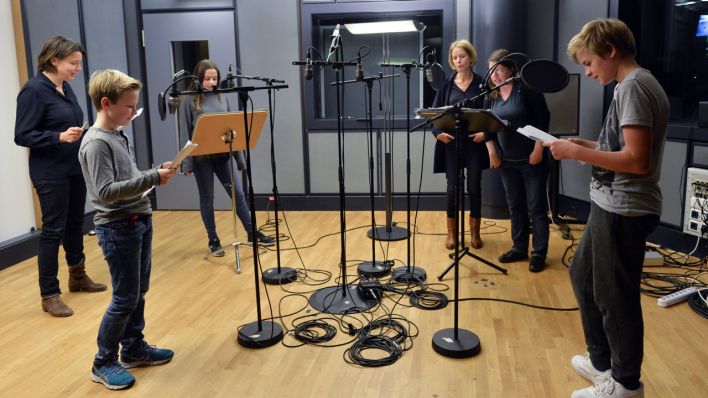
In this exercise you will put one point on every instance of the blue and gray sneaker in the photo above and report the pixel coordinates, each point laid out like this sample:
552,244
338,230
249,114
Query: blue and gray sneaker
112,375
146,355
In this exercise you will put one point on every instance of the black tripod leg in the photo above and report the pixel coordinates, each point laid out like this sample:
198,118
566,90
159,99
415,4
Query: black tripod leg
454,260
480,259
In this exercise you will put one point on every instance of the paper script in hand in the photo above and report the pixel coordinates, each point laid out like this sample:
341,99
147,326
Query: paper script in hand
535,134
183,153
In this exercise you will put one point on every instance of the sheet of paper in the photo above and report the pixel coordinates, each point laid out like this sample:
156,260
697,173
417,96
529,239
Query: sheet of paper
535,134
183,153
138,113
147,192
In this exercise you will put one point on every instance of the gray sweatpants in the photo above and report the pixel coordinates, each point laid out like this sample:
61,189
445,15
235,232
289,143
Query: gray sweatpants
605,275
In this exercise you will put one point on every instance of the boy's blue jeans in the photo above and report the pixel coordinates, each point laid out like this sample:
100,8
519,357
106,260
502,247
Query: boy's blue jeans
127,247
605,275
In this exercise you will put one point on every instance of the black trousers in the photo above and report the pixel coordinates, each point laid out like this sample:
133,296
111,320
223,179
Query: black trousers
474,160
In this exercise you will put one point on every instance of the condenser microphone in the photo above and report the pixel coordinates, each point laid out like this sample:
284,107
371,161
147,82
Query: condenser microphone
359,74
173,100
434,73
308,66
229,81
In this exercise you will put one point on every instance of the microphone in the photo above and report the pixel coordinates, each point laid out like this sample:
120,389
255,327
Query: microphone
229,81
172,100
308,66
359,73
161,107
544,76
434,73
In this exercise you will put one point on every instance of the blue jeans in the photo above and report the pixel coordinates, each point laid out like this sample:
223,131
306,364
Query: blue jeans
62,202
127,247
204,168
605,275
525,187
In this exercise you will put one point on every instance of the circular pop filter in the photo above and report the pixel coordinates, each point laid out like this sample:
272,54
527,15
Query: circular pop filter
544,76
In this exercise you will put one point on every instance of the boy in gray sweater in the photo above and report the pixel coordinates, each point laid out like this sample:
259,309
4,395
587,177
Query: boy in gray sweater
123,221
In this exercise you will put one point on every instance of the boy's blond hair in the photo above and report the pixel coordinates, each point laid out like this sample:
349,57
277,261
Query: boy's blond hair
599,36
465,45
112,84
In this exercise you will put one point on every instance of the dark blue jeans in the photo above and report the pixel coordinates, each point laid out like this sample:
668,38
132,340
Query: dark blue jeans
525,187
605,275
62,202
204,168
127,247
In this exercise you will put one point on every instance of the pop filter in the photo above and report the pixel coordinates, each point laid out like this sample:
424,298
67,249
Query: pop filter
544,76
161,107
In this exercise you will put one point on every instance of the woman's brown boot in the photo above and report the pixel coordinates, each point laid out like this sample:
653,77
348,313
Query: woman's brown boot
474,233
79,281
55,307
450,240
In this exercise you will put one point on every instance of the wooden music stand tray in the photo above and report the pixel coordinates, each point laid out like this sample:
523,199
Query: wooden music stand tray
211,131
224,133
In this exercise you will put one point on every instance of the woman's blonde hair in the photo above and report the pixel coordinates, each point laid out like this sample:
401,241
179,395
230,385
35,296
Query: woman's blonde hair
465,45
599,36
111,84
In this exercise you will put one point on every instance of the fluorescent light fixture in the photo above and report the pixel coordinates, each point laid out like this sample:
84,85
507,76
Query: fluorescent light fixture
364,28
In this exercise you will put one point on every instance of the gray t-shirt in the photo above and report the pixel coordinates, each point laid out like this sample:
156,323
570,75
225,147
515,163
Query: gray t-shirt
114,184
641,101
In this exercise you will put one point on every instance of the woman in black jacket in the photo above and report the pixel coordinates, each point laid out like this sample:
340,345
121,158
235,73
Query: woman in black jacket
463,84
48,122
521,161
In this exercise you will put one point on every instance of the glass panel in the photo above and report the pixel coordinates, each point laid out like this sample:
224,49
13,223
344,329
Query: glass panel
185,55
671,44
403,47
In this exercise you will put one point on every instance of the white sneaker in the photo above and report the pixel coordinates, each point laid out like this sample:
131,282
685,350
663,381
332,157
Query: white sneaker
608,388
584,367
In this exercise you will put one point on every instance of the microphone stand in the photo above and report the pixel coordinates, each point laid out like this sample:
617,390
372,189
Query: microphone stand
278,275
342,298
408,273
373,268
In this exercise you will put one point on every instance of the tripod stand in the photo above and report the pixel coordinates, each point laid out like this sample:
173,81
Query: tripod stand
466,121
455,342
216,133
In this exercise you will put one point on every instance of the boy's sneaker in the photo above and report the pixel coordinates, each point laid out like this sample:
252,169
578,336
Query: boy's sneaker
263,240
608,388
584,367
113,376
215,248
146,355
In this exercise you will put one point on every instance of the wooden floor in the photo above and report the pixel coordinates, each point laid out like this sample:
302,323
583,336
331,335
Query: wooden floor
195,305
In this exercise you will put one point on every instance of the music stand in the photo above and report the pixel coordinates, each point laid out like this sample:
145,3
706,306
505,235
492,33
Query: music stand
213,133
455,342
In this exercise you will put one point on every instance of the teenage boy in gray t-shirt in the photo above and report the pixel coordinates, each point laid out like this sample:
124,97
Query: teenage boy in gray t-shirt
625,209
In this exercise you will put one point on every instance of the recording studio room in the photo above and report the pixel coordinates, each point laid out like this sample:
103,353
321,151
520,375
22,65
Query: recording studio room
354,198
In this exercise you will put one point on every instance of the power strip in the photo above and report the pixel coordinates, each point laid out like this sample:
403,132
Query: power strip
676,297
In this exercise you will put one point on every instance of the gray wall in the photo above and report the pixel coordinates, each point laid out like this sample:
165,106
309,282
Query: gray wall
268,43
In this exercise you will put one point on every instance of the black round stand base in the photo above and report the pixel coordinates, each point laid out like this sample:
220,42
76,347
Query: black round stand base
272,276
251,336
466,345
335,300
393,234
374,269
408,275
